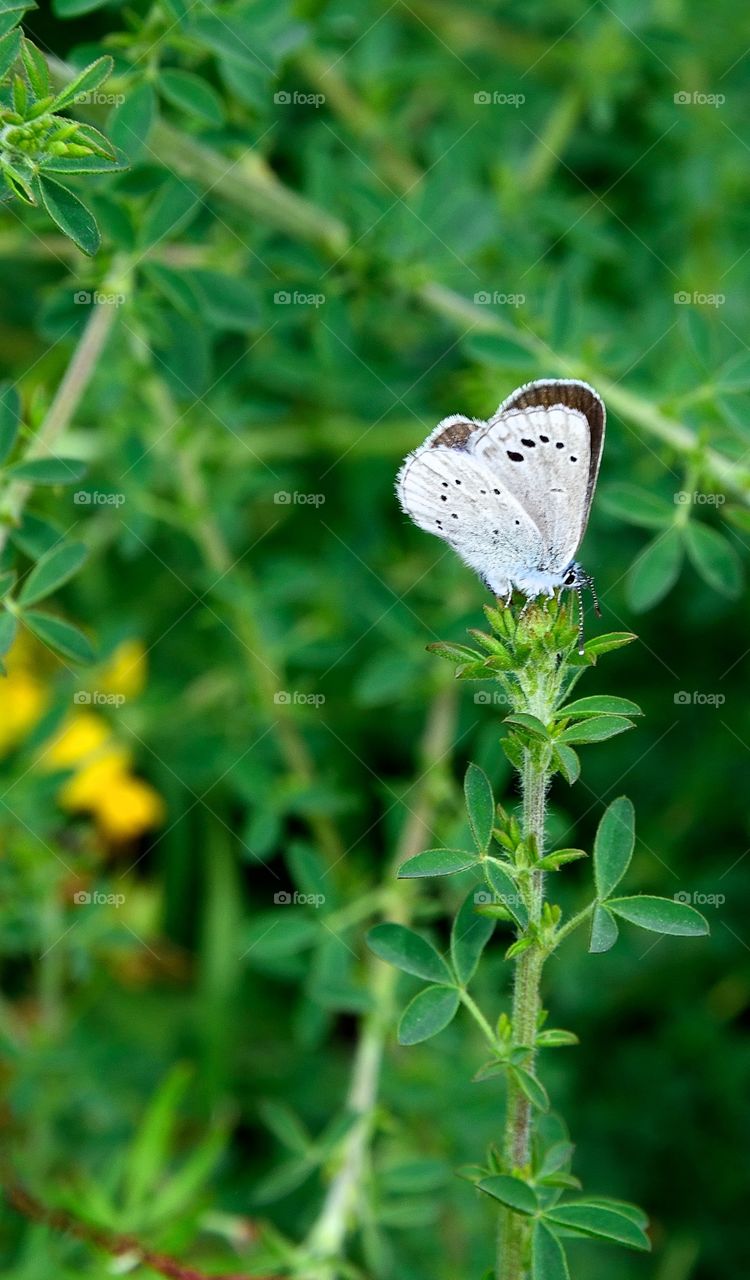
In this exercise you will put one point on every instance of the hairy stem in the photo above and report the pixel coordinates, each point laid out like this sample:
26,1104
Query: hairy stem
513,1237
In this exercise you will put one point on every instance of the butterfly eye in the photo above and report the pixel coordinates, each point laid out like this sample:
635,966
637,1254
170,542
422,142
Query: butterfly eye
570,579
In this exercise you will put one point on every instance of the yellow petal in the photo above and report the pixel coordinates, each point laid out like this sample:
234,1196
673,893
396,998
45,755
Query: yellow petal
22,701
125,672
128,807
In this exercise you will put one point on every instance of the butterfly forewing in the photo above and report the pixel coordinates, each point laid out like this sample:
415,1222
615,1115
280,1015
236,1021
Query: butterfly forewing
574,395
542,456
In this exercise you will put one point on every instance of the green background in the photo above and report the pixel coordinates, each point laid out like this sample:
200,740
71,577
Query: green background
596,203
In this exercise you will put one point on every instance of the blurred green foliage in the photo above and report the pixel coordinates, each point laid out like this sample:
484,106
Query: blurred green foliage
339,223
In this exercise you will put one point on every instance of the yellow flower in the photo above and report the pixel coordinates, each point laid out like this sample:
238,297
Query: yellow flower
127,807
82,734
101,782
125,672
22,700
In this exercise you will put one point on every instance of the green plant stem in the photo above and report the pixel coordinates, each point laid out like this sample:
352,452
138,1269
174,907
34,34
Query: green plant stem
66,400
630,406
573,923
513,1235
338,1215
476,1013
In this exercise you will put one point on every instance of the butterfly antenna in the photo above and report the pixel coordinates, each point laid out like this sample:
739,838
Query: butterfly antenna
579,593
592,589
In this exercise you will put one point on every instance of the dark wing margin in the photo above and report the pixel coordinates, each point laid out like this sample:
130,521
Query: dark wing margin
453,432
548,392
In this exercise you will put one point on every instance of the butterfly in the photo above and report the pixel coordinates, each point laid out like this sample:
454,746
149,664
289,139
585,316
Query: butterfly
512,495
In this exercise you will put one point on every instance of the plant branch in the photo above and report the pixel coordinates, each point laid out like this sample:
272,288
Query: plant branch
327,1236
65,402
110,1242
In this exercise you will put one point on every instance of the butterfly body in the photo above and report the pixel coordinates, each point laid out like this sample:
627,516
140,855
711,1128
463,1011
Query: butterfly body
512,494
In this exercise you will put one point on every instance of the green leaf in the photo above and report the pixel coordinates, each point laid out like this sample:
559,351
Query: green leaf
191,93
595,729
459,653
174,286
428,1013
514,1193
130,123
469,936
35,537
285,1125
560,857
84,83
568,762
175,205
8,629
36,69
409,951
436,862
531,1087
655,571
631,1211
607,643
48,470
556,1038
530,723
10,47
226,302
506,890
593,1219
52,571
613,846
10,418
599,705
548,1257
636,506
604,931
67,212
714,558
480,805
660,915
61,636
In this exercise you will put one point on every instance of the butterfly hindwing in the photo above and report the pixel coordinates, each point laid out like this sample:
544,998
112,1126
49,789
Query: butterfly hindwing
450,493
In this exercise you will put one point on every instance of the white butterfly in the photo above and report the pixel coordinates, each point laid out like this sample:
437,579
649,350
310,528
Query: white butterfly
512,495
